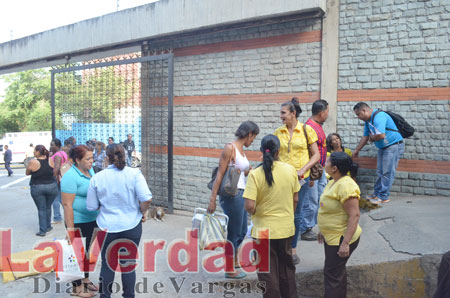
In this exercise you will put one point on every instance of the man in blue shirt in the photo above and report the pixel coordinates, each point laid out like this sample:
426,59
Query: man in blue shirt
380,129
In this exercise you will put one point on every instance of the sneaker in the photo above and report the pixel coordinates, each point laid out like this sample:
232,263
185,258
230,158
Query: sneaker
309,235
54,222
385,201
41,234
49,229
295,259
375,201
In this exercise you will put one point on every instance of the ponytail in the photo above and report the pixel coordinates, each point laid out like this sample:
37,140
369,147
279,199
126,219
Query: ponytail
116,156
42,151
354,170
293,106
270,145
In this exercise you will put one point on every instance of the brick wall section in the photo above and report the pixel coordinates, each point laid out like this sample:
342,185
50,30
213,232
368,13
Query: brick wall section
394,44
281,69
290,68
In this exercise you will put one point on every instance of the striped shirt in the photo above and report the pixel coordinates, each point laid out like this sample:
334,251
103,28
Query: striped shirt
321,141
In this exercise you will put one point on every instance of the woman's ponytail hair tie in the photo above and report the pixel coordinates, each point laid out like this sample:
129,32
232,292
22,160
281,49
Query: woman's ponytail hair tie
267,150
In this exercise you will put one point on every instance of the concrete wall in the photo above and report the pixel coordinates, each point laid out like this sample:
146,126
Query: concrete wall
153,20
395,55
416,278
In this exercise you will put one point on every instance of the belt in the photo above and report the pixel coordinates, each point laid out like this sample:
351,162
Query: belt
396,143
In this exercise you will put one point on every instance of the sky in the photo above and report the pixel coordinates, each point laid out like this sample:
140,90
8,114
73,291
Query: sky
19,18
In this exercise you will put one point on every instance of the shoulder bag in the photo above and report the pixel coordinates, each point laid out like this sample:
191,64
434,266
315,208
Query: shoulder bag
316,170
230,179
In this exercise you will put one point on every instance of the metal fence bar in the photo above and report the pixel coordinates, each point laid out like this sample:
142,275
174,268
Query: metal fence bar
52,88
112,63
170,134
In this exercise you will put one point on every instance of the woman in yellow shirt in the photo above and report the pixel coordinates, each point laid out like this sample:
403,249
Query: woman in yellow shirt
294,151
334,144
271,196
338,223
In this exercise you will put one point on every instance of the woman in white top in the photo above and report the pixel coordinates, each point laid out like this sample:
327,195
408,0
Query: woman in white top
233,153
122,196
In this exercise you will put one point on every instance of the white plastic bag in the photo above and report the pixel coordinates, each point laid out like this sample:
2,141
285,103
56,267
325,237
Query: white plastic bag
68,269
211,231
199,214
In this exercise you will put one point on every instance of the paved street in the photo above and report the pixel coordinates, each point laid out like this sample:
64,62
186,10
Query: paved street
404,229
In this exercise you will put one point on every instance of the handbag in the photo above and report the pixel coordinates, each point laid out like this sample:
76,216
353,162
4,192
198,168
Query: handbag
230,180
316,170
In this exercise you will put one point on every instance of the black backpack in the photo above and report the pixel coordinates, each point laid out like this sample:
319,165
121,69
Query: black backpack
404,128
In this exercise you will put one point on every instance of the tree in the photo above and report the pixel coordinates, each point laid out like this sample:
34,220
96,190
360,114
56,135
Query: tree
27,95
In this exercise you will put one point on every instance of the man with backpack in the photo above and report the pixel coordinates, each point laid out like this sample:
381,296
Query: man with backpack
380,128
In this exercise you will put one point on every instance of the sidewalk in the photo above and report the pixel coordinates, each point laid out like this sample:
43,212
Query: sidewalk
400,231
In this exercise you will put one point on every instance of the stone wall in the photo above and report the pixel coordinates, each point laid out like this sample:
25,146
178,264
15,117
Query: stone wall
256,69
211,126
392,44
226,77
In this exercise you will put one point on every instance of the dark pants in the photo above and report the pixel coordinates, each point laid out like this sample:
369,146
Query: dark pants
87,229
280,281
43,196
8,168
443,286
107,273
334,271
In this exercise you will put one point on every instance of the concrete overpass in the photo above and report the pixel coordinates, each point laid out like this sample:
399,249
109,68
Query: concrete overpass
126,31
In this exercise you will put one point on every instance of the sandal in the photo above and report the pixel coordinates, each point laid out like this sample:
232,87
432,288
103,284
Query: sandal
82,293
90,286
239,276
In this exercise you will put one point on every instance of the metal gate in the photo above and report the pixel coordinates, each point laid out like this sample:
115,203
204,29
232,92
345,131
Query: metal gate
117,96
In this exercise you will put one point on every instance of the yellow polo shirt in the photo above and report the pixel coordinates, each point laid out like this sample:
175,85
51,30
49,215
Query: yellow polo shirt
349,153
332,218
346,150
274,204
295,152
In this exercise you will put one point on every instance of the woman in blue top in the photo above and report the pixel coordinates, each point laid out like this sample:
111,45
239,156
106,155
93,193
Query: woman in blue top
99,156
122,196
74,188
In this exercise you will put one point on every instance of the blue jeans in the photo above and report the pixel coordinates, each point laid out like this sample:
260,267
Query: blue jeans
304,215
387,163
43,196
128,160
56,204
237,219
320,185
107,275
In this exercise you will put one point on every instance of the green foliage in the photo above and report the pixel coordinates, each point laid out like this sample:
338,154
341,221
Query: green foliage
24,96
87,96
